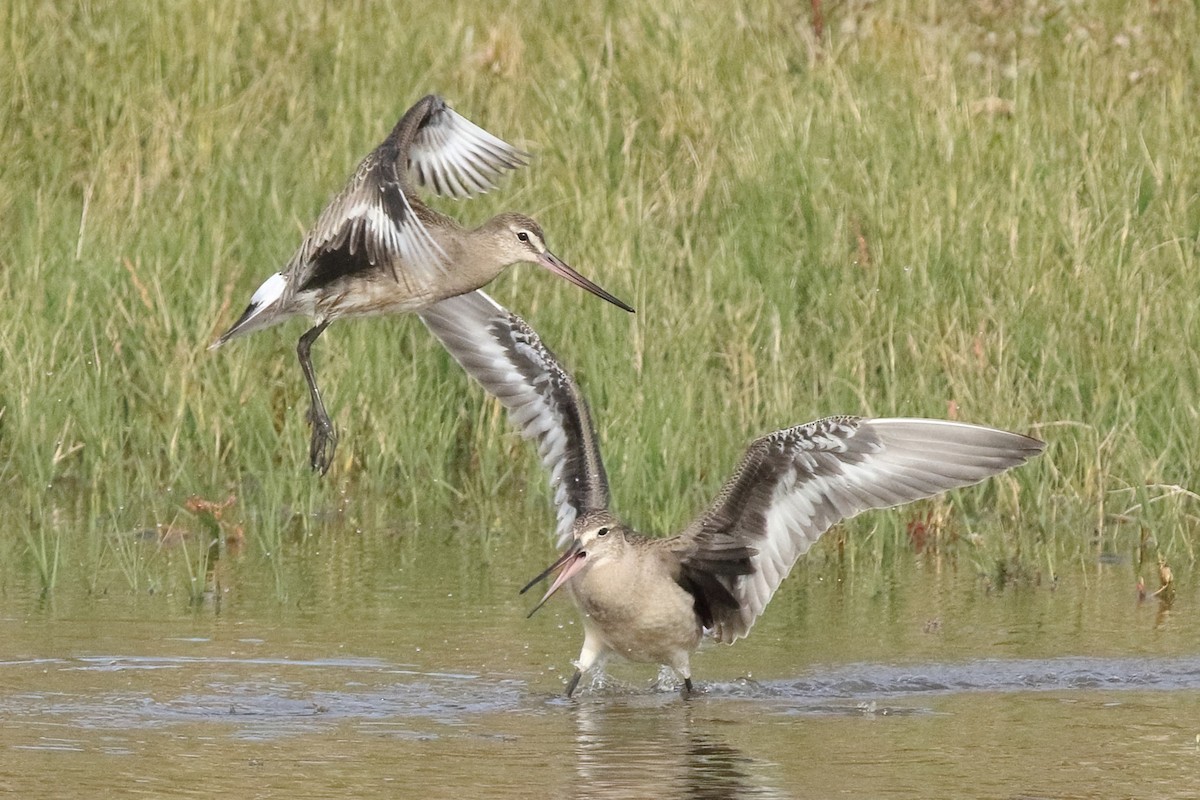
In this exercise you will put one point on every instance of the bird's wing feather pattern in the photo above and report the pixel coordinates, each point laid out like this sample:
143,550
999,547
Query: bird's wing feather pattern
793,484
500,351
370,224
455,157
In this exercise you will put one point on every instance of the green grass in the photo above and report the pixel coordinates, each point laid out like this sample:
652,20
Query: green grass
985,207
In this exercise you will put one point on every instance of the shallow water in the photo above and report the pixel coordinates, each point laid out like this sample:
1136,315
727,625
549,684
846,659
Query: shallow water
422,678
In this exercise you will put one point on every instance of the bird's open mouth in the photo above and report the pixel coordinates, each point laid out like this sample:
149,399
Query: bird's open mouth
568,564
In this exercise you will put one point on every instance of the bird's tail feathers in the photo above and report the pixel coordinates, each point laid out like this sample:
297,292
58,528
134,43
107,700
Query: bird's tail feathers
261,313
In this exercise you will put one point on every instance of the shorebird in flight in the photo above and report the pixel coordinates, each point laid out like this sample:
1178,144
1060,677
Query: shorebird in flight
377,249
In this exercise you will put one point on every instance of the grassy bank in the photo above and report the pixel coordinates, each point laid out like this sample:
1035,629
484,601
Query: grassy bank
934,209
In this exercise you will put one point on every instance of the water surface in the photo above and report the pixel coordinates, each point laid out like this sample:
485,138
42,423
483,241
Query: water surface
421,678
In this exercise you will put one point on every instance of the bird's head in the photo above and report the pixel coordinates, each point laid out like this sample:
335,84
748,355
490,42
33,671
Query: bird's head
595,538
515,238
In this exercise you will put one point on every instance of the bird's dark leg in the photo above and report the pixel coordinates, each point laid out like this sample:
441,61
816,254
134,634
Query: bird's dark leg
571,684
688,691
324,437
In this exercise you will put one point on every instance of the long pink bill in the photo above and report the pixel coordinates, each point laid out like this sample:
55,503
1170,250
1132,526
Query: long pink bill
568,564
560,268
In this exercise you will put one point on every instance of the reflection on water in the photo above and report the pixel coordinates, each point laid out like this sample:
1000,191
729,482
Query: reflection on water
360,723
652,747
406,682
616,727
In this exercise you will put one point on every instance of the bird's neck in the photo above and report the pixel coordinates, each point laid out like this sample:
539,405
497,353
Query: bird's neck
469,267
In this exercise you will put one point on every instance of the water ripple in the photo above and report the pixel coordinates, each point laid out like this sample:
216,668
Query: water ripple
269,697
864,681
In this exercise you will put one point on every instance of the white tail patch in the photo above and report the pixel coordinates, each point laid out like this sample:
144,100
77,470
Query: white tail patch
269,292
263,298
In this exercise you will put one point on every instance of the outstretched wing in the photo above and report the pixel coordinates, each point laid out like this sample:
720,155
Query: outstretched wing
793,485
372,223
455,157
370,226
500,351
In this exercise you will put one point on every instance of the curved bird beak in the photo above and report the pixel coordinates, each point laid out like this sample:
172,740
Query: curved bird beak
568,564
560,268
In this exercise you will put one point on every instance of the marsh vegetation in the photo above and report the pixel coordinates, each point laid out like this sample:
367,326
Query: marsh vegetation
985,211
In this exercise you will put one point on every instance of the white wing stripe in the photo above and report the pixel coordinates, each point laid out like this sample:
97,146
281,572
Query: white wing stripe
465,324
835,469
457,158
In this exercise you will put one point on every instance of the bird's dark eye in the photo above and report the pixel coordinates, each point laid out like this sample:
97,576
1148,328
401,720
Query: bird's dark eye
602,532
522,236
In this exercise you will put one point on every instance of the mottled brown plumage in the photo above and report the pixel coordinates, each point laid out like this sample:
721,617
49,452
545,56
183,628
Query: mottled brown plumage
651,599
377,249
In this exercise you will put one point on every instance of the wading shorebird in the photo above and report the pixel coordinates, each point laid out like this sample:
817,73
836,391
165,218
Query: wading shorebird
377,249
650,600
